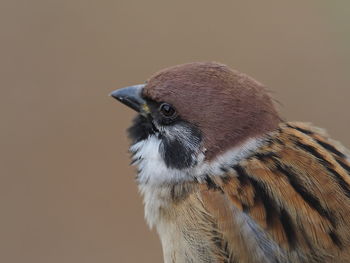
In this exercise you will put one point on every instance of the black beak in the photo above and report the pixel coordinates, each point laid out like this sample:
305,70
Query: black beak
132,97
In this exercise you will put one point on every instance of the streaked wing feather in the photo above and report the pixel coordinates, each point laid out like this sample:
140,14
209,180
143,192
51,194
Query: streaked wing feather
296,189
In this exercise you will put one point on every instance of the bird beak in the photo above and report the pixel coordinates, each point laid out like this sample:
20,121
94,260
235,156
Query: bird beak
132,97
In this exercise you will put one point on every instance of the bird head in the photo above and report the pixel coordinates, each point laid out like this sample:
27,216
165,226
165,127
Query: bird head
193,113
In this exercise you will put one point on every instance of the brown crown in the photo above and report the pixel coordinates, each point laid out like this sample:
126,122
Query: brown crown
228,107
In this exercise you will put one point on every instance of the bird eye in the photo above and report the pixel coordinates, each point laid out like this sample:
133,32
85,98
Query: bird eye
167,110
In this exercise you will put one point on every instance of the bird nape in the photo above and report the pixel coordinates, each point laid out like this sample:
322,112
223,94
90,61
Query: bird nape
224,179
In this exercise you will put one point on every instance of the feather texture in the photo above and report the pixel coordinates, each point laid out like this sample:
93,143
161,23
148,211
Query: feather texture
289,201
224,180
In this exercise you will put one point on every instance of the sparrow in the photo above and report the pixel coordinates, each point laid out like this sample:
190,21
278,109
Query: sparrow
225,179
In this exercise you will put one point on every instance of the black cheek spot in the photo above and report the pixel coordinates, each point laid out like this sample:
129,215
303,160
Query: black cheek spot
179,152
176,154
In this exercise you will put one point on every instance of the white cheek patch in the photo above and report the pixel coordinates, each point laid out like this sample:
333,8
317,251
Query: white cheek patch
181,133
153,169
181,145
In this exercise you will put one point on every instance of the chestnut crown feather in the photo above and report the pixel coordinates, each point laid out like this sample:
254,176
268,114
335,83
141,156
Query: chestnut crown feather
227,106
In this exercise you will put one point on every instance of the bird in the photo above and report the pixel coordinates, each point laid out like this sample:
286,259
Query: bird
224,178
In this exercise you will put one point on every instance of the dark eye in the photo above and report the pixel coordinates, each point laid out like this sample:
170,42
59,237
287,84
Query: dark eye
167,110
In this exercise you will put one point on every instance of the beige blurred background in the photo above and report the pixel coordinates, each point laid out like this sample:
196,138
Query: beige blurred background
67,193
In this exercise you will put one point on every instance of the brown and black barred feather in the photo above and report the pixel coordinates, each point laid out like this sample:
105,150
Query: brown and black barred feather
296,188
